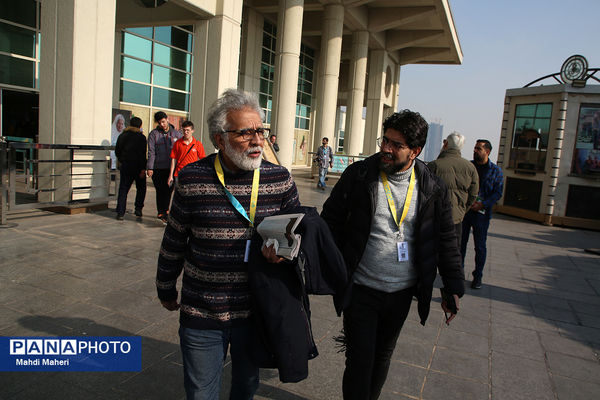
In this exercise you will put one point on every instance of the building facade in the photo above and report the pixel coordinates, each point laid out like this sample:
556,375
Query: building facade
550,154
67,65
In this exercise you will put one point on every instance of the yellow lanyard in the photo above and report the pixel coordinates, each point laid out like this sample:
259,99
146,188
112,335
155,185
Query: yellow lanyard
233,200
390,199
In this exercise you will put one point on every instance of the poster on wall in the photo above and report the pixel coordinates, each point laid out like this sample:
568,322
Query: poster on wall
120,120
586,159
176,121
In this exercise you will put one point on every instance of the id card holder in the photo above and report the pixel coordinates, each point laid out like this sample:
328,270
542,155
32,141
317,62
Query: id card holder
247,252
402,251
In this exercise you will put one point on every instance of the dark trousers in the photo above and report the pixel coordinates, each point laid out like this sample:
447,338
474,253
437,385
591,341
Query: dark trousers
372,323
458,231
480,224
130,174
163,190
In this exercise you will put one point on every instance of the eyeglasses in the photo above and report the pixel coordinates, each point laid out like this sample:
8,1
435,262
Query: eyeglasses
385,141
248,134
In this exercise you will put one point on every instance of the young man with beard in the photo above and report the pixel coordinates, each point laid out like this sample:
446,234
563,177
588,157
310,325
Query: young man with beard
392,220
160,143
217,203
478,217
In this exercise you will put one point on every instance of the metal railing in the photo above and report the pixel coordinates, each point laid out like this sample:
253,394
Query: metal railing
51,175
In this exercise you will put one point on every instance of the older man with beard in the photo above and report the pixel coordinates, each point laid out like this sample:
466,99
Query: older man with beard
217,203
392,219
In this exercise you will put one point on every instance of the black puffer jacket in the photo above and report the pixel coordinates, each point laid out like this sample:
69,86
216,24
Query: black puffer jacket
349,212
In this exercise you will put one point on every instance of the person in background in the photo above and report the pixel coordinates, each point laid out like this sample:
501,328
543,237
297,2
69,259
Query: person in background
478,217
131,153
273,140
324,159
459,175
160,143
185,151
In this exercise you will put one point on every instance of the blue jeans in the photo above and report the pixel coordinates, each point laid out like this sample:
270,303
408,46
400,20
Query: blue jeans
480,224
322,175
204,352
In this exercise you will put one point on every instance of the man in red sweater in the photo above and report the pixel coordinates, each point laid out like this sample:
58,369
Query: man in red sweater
185,151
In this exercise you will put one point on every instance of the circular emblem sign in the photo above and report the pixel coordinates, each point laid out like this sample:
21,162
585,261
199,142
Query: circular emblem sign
575,67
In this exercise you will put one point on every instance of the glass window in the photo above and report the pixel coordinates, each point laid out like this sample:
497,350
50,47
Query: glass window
135,93
146,31
16,71
14,39
171,78
135,70
531,131
173,36
137,47
171,57
169,99
586,159
22,11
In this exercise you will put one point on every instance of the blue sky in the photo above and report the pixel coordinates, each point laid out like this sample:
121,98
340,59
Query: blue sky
506,44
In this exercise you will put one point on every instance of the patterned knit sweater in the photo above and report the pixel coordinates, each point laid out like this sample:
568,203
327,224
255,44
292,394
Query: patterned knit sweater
206,238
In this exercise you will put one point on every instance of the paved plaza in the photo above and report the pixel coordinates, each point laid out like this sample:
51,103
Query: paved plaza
531,332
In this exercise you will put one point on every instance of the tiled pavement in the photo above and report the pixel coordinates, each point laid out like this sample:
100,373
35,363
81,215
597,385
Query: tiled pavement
531,332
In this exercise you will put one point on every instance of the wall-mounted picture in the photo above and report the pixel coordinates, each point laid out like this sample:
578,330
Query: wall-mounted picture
120,120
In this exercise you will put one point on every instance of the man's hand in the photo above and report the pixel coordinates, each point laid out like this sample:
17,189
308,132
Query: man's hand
270,254
143,173
447,310
170,181
171,305
150,172
477,206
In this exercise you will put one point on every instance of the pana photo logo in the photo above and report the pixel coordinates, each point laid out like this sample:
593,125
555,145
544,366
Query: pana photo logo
70,353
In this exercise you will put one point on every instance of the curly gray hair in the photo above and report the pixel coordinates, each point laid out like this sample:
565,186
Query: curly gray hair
230,100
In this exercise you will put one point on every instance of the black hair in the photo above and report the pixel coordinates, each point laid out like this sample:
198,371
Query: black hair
486,144
136,122
273,136
325,138
411,125
159,115
186,124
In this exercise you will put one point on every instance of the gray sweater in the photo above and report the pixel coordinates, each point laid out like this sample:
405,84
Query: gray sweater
379,267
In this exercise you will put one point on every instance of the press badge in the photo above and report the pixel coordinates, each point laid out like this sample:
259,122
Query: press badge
402,251
247,253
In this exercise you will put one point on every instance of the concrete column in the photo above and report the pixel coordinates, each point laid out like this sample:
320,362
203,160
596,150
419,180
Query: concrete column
76,81
285,85
375,101
354,134
250,54
216,61
117,71
329,71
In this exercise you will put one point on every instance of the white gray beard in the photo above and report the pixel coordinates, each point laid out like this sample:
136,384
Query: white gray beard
241,160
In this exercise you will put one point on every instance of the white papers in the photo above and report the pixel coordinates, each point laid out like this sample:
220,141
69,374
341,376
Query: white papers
279,230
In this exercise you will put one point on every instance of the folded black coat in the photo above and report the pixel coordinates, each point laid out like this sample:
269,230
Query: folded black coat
280,304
